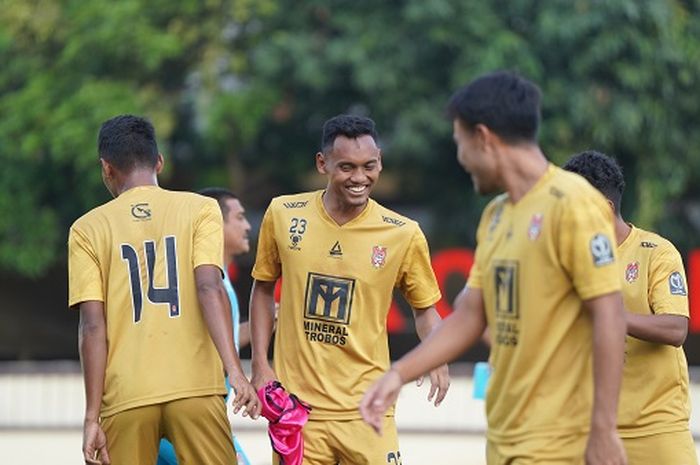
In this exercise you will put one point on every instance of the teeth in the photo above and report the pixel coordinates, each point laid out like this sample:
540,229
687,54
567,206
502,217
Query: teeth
357,188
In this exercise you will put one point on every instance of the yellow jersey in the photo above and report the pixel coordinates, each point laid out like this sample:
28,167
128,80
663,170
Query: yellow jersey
654,397
137,255
535,262
337,286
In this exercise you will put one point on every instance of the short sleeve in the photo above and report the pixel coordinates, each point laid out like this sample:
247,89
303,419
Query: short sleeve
267,261
84,272
587,247
668,290
416,277
208,240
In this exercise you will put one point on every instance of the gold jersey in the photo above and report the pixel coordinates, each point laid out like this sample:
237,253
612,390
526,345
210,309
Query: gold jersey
337,286
654,397
535,262
137,255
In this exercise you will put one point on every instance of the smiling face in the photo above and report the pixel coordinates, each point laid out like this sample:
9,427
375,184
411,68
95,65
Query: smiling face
352,167
476,157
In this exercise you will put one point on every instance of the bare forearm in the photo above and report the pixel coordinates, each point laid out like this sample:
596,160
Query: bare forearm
262,308
662,329
447,340
92,343
426,320
214,312
244,334
608,357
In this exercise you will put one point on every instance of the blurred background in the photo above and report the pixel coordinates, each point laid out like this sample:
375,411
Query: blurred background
238,91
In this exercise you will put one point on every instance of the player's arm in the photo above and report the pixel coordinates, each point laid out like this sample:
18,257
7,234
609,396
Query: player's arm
607,313
262,320
426,320
92,345
244,334
662,329
212,299
449,339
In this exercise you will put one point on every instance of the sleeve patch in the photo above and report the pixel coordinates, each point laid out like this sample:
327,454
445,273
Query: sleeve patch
601,250
676,284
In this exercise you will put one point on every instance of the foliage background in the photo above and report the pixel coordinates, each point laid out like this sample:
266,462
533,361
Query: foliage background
238,90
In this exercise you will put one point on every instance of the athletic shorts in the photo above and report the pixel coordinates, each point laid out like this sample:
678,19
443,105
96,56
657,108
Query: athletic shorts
349,442
564,450
197,426
664,448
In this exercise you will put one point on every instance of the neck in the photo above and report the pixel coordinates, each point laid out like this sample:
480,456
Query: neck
137,179
522,167
622,229
341,213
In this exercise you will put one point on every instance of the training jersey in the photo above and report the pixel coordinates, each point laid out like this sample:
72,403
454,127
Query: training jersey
536,261
137,255
654,397
337,287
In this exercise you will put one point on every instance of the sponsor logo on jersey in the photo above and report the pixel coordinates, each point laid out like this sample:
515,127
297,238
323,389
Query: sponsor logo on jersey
601,250
632,272
328,308
556,192
378,256
300,204
141,211
533,232
505,275
394,221
676,284
647,245
336,251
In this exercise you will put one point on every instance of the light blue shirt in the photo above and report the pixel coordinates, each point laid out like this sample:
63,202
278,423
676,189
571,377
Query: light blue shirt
235,311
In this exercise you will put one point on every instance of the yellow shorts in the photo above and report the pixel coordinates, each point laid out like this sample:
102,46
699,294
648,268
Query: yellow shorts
665,448
565,450
349,442
197,426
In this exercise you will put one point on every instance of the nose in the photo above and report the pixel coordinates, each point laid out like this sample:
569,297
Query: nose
358,175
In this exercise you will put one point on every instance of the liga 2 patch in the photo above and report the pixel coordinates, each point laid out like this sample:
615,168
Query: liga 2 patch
601,250
676,284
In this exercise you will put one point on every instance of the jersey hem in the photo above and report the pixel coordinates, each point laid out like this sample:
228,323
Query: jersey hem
162,398
425,303
594,292
331,416
79,300
634,433
543,433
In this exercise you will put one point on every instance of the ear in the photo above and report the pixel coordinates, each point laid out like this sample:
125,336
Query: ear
321,163
379,159
159,163
107,169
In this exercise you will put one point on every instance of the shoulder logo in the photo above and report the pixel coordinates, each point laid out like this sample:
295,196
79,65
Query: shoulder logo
394,221
533,232
676,284
299,204
632,272
336,251
601,250
378,256
141,211
647,245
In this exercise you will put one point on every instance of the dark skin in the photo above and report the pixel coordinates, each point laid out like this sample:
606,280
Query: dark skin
93,333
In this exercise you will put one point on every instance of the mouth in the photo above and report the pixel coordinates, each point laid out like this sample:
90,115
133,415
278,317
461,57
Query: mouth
357,190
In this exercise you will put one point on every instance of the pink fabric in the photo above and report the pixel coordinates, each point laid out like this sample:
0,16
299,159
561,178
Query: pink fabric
287,415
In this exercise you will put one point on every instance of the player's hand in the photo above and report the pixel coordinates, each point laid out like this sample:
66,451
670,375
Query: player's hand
379,397
439,383
246,396
605,448
262,374
95,444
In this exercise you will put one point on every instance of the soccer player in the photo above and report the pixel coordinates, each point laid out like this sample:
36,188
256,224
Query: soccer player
155,335
340,254
654,406
236,228
545,281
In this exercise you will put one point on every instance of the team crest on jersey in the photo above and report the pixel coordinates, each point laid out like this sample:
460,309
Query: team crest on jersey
676,284
632,272
378,256
533,232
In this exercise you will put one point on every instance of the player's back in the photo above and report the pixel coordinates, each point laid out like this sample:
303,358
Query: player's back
142,249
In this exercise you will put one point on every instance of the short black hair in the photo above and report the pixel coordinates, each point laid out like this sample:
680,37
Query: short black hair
350,126
602,172
506,103
221,195
128,142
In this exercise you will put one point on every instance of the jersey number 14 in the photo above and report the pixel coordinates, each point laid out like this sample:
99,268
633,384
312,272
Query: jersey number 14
156,295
